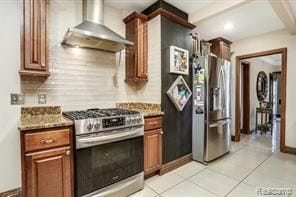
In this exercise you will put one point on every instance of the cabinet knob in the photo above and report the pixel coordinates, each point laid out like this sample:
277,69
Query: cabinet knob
42,65
68,152
161,132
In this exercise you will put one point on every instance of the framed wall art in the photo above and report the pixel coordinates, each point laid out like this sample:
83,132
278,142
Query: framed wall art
179,93
179,60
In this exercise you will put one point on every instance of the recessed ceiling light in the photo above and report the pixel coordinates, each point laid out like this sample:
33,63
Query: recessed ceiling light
228,26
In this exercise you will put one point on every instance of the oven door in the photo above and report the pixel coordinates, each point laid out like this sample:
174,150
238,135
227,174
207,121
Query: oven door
105,158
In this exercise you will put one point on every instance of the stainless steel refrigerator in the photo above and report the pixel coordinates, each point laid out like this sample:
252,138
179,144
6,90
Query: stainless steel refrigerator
211,135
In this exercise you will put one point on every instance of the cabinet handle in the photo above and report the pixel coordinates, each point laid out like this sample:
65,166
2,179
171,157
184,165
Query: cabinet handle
68,152
152,123
161,132
49,141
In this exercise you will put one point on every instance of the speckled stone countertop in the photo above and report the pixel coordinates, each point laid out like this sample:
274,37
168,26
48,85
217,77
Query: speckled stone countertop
147,109
42,118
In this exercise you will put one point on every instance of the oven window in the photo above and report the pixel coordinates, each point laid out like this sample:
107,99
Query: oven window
103,165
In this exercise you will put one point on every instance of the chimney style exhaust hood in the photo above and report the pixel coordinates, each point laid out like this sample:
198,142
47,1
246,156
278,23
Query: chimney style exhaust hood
92,33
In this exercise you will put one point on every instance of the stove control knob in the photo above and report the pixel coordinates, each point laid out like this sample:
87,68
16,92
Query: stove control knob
139,120
97,125
128,121
89,126
133,121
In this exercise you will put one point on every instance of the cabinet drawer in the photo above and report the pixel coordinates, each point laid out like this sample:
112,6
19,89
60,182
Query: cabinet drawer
46,139
153,123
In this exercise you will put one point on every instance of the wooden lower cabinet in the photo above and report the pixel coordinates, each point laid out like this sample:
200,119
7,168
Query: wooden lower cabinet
152,151
47,171
153,145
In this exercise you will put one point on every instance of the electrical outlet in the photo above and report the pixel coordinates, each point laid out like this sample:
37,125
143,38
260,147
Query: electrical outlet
17,99
41,98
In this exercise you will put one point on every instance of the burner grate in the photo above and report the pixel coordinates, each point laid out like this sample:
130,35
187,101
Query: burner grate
99,113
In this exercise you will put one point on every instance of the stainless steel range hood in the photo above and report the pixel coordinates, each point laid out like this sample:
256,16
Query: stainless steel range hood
91,33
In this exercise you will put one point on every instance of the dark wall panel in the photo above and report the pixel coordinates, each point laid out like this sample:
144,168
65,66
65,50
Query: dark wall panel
164,5
177,139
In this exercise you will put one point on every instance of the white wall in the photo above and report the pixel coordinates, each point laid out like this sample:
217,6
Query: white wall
9,82
273,40
80,78
258,65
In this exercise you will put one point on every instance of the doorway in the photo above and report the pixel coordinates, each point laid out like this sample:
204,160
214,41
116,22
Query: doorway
239,61
275,93
245,97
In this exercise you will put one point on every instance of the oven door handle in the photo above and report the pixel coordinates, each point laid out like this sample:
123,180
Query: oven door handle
133,132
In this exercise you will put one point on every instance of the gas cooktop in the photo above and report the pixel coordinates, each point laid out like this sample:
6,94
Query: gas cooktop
97,120
99,113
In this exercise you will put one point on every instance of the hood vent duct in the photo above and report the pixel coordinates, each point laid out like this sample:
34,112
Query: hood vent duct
92,33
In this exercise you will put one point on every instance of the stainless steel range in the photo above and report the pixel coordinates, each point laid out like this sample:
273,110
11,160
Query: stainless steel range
109,159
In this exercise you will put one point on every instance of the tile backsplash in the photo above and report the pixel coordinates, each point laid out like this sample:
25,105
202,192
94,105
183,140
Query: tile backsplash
81,79
84,78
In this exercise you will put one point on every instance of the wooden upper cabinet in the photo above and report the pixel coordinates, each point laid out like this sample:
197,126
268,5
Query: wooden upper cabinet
136,55
221,48
34,39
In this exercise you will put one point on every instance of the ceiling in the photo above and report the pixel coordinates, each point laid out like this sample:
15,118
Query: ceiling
254,18
293,6
250,19
188,6
274,60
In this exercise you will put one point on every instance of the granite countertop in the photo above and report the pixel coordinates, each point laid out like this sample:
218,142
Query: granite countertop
147,109
42,118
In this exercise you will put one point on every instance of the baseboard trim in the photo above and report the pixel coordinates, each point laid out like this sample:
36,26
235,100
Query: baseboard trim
17,192
234,138
290,150
165,168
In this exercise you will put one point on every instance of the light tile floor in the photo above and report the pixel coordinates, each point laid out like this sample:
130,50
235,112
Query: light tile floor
253,162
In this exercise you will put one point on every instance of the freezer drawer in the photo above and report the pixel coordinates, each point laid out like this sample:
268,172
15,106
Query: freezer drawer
218,139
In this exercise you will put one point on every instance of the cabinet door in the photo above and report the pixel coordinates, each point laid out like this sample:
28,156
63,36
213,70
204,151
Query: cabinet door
34,49
49,173
152,150
225,51
221,48
141,59
136,55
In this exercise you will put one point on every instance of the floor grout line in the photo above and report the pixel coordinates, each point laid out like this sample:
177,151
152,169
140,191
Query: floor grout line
246,144
152,189
188,179
248,175
202,187
249,168
171,186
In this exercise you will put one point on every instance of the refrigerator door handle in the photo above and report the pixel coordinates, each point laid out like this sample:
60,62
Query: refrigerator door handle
219,123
